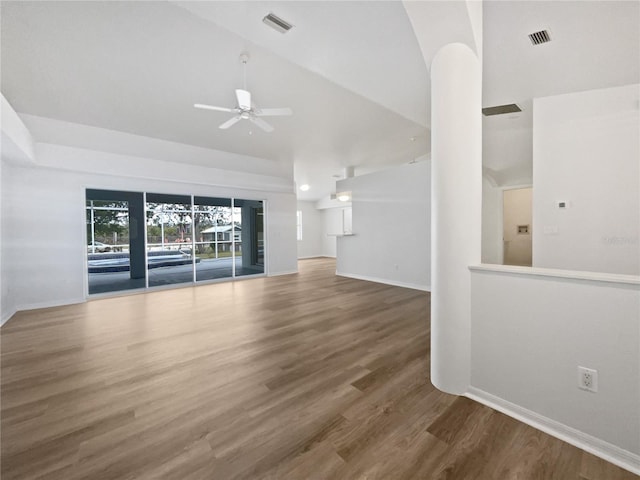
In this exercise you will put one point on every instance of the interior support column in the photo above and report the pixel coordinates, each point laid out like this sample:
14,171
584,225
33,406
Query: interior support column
456,202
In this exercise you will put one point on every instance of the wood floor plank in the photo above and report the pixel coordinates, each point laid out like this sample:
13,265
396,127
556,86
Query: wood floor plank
594,468
306,376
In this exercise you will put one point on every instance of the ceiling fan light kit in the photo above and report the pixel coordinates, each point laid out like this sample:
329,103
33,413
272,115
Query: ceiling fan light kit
244,99
245,109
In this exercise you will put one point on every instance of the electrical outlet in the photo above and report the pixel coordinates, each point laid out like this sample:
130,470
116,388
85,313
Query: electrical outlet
587,379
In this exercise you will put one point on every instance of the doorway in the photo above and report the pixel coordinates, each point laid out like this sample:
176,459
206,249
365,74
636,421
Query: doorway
517,226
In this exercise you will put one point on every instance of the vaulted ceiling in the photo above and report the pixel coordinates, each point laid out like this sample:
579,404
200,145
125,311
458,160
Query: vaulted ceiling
352,72
594,44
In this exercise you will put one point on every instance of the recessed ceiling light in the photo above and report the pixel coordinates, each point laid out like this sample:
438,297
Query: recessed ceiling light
304,187
344,197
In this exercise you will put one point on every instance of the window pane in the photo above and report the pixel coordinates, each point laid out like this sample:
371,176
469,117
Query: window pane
109,242
213,235
248,218
212,240
169,240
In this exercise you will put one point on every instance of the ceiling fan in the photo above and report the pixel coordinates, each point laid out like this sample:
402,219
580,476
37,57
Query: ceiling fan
245,109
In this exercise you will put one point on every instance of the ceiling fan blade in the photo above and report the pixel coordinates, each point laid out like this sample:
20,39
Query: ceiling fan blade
273,112
244,99
231,121
211,107
261,123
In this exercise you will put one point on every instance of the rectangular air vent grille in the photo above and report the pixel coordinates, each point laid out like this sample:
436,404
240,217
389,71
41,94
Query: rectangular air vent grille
277,23
540,37
501,110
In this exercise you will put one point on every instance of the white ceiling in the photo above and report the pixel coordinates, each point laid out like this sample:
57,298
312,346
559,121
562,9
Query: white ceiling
594,44
344,42
138,67
352,72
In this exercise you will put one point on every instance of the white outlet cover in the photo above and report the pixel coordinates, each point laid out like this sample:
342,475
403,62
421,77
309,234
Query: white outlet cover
588,379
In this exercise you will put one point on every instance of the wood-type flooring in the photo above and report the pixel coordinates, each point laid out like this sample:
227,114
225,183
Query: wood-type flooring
305,376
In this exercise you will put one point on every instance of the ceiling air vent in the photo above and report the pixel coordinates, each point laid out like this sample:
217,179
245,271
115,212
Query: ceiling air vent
540,37
277,23
501,109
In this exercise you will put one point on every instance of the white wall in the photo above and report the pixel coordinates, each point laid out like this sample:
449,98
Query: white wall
332,212
2,272
532,328
507,151
391,227
148,168
530,333
43,209
47,225
517,212
311,244
331,226
6,302
586,151
492,245
17,142
17,148
58,132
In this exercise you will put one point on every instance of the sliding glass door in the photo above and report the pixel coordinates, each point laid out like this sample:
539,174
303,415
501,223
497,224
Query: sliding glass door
138,240
169,243
249,214
115,246
214,235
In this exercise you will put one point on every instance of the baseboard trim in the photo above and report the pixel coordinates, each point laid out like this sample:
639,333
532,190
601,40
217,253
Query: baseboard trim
605,450
7,315
35,306
414,286
312,256
277,274
57,303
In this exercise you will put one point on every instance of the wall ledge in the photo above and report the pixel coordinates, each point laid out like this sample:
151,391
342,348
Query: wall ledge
105,164
565,274
605,450
18,146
